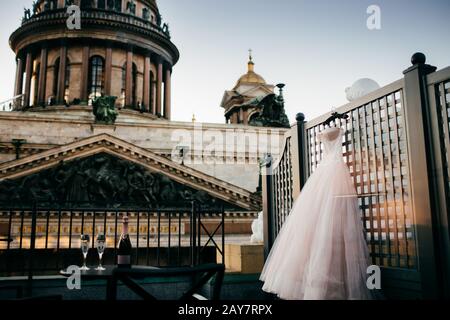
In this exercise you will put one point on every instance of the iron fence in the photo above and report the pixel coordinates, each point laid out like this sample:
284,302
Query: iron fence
396,145
42,239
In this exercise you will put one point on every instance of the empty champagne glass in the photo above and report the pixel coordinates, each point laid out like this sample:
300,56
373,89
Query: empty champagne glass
101,244
85,241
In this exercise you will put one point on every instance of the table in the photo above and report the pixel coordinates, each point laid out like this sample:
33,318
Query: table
93,274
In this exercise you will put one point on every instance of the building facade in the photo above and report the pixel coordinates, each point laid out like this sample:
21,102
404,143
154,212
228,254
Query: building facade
236,101
253,102
54,150
122,49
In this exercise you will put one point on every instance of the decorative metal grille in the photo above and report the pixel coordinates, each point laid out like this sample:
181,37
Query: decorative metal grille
439,97
282,186
443,100
161,237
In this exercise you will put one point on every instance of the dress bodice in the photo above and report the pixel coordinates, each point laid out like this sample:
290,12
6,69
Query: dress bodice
332,141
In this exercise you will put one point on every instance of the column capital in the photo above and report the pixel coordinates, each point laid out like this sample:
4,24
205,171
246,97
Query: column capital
149,54
130,48
109,43
63,42
167,66
158,59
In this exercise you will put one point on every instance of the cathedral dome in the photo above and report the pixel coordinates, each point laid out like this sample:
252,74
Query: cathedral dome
251,77
122,49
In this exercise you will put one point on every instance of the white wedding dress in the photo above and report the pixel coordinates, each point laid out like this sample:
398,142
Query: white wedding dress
321,252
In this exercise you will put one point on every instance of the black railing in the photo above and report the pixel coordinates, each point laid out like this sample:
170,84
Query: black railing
43,239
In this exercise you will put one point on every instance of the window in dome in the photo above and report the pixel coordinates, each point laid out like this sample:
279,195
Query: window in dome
131,7
86,4
114,5
96,77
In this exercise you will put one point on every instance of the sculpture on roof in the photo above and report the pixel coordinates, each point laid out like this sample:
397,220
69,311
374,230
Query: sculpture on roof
131,7
272,112
165,29
26,14
104,110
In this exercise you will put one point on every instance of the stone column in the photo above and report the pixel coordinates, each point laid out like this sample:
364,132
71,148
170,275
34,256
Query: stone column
84,74
235,118
147,84
245,115
43,76
159,88
108,71
129,79
62,74
29,74
19,77
153,94
167,94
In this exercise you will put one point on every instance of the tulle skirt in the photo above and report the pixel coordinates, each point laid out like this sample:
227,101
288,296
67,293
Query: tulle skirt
321,252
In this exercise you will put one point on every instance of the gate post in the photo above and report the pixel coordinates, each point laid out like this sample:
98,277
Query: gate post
266,172
299,155
419,141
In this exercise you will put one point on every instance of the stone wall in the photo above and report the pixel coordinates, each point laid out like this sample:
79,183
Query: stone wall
228,152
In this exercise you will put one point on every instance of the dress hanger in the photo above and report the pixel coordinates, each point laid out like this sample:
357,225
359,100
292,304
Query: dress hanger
334,116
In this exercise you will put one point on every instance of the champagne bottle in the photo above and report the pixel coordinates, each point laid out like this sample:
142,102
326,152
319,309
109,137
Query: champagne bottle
124,251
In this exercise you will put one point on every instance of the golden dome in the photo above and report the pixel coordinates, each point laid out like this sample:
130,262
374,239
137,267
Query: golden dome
251,77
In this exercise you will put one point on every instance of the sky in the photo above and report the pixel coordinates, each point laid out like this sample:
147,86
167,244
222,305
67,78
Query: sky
316,47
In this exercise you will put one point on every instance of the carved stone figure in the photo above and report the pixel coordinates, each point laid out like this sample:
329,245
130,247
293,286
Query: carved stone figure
104,110
102,180
272,112
131,7
146,14
26,14
165,29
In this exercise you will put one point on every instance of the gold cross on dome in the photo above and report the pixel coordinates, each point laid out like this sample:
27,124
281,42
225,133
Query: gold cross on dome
250,52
